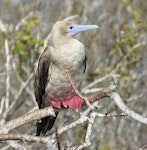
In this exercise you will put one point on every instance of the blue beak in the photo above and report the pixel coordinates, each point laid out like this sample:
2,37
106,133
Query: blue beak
75,29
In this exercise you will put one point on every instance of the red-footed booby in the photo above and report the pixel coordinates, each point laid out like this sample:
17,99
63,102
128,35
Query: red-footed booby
52,85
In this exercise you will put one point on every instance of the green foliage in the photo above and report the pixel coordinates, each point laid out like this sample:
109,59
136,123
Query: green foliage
26,44
79,132
1,41
90,76
131,33
106,147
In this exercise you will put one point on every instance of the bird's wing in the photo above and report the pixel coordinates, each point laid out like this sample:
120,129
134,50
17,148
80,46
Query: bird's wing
41,81
41,76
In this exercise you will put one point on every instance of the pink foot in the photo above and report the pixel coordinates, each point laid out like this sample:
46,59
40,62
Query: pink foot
75,102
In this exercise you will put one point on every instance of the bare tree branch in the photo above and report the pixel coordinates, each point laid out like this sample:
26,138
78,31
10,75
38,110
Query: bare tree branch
23,137
38,114
7,75
144,147
35,115
89,131
118,101
101,94
28,138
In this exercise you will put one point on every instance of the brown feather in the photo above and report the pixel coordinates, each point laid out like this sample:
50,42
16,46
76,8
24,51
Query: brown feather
41,80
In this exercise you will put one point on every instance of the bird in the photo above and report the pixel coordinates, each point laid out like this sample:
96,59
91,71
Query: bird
52,86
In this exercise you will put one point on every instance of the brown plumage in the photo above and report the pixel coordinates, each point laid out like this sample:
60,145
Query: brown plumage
52,86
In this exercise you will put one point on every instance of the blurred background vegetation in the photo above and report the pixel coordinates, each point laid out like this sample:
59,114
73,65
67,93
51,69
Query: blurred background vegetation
117,51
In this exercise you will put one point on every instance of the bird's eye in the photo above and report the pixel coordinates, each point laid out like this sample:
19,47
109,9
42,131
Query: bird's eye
71,27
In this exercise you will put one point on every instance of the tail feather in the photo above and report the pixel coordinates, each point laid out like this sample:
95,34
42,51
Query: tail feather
45,124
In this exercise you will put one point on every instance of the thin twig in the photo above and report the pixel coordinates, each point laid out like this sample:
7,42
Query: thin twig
76,91
57,139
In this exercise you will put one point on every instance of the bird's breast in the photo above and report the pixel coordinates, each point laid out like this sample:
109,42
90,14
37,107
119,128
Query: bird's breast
59,87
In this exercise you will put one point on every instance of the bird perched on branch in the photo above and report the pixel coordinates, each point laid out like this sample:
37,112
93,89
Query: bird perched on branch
52,85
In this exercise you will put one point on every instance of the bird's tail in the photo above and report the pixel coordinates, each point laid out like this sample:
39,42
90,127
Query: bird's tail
45,124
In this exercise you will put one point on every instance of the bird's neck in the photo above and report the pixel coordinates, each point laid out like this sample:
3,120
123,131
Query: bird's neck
68,54
70,47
